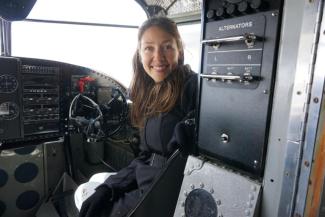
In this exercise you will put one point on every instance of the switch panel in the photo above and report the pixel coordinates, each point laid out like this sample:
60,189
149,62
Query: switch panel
236,84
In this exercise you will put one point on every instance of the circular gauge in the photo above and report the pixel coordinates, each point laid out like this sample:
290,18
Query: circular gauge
8,84
8,111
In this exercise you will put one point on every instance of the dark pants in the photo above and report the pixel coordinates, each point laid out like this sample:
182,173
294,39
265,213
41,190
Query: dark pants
122,206
145,174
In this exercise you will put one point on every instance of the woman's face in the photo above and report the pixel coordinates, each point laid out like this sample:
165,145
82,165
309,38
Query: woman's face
159,53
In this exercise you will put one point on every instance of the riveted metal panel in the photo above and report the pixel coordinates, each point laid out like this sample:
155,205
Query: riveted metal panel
232,193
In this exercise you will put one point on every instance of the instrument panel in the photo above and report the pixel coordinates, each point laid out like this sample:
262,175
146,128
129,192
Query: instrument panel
35,96
10,99
236,81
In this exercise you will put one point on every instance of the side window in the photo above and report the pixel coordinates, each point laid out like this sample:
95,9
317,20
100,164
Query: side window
190,34
96,35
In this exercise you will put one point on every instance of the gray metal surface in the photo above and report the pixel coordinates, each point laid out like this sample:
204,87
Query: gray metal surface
5,37
10,160
234,194
54,163
299,109
284,81
317,87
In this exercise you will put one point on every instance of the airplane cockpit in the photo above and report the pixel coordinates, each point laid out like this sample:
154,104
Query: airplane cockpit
65,71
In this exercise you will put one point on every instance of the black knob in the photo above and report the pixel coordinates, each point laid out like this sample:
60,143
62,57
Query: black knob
231,9
243,7
256,4
210,14
220,12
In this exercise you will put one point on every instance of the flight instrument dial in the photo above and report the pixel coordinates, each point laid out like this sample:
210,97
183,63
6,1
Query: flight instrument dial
8,84
9,111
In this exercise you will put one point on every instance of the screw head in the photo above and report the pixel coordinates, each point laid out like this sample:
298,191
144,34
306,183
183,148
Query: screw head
316,100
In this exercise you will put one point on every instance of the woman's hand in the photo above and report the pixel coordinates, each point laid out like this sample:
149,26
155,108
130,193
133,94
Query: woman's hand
94,205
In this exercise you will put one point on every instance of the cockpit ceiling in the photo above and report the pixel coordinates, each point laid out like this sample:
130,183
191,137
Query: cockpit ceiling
179,10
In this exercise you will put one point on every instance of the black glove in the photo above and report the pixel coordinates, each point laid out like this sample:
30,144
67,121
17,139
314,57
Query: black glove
95,204
185,136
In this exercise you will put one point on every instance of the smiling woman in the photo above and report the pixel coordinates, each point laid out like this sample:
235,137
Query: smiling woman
163,92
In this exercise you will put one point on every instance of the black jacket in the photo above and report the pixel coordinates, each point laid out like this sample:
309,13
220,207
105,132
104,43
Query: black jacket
129,184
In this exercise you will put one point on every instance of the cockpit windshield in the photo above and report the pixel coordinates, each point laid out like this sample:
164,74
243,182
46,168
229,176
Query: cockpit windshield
99,35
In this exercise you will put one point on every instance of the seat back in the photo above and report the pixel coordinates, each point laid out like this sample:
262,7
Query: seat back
160,200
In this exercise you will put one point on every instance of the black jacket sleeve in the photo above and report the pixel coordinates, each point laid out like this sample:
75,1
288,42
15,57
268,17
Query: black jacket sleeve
184,132
189,96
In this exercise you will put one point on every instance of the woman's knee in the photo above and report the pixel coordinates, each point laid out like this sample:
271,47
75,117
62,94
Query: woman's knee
85,190
100,177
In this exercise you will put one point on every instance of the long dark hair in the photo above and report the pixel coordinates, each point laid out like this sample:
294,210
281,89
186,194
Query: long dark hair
150,98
